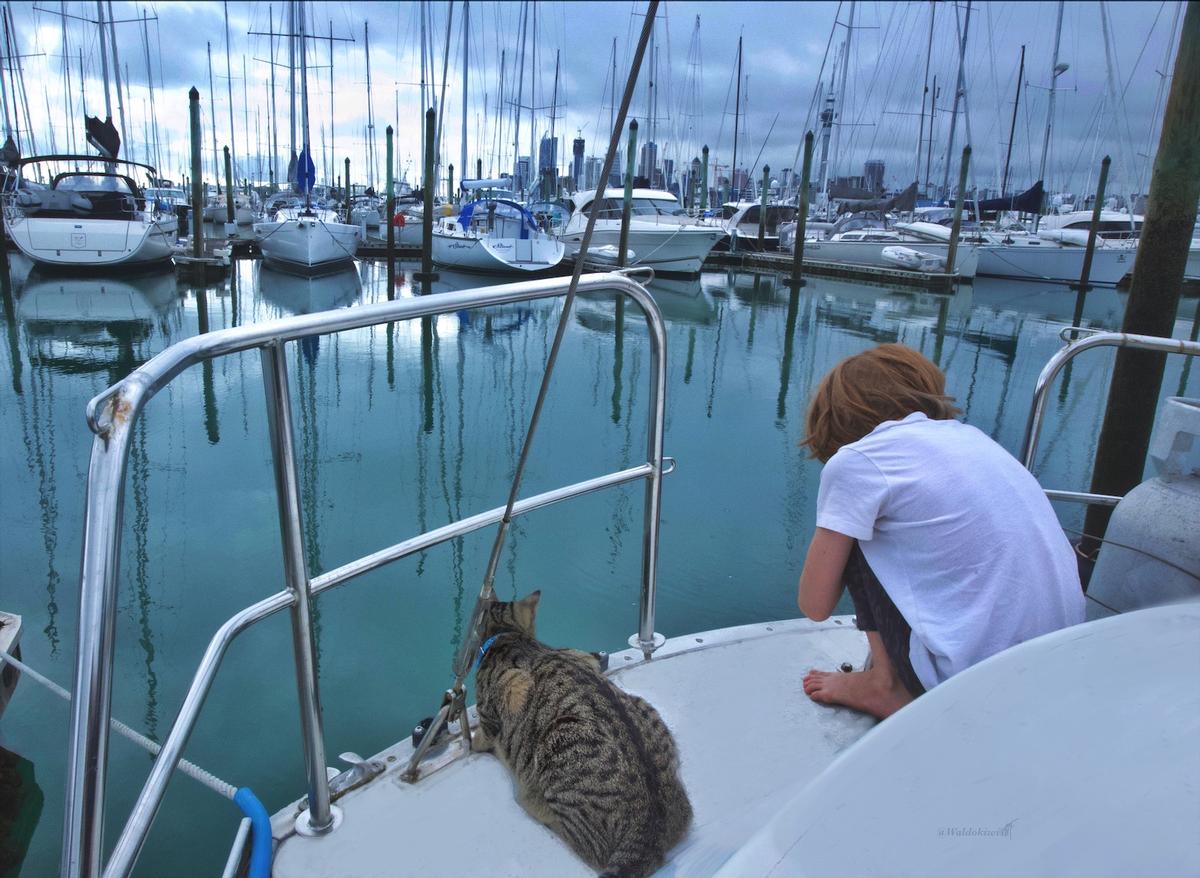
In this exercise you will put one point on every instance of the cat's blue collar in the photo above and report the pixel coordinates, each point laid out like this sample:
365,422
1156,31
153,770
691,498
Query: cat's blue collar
485,646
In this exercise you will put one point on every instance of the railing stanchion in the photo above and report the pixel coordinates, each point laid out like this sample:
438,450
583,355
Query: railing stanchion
646,639
287,491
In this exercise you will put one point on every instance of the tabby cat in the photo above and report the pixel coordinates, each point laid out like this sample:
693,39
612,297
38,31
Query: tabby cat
594,763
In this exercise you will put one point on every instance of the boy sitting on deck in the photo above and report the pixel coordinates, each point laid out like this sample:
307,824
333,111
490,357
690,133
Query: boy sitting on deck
948,546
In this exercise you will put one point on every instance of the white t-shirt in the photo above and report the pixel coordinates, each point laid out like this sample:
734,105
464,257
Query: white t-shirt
960,535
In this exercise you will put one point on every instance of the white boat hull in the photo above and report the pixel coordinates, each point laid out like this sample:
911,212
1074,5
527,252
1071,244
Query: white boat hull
1055,263
307,244
679,249
966,261
218,213
369,215
496,255
83,243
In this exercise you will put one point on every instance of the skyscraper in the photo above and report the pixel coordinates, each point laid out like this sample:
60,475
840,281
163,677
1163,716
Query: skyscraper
577,146
548,155
873,174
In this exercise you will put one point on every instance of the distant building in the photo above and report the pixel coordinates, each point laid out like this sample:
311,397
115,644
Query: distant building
668,174
577,146
548,155
873,174
521,179
649,160
591,171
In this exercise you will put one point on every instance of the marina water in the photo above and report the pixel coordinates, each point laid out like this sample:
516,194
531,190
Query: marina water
400,429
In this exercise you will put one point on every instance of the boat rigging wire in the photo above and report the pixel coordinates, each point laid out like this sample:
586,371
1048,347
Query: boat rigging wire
454,703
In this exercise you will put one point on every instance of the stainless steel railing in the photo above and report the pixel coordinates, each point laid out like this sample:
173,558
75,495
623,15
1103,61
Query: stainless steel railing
112,416
1090,339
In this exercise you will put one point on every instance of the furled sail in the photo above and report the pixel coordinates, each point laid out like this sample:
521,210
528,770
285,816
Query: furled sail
103,135
901,201
1029,201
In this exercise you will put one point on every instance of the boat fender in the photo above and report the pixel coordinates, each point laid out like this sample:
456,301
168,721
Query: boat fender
260,840
398,220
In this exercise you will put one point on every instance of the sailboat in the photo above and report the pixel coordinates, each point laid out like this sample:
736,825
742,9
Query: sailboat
95,214
305,238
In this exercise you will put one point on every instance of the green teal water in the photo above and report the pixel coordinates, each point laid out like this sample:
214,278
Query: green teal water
402,430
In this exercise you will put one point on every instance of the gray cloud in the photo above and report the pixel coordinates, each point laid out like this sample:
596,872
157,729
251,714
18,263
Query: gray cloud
785,47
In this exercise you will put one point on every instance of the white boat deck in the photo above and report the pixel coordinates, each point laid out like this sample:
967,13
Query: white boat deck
747,735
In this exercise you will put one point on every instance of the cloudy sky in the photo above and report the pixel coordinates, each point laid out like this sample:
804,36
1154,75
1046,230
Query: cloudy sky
788,50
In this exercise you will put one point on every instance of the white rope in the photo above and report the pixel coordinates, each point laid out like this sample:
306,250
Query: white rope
192,770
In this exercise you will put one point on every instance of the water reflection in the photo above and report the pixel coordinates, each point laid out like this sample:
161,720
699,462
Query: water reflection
75,327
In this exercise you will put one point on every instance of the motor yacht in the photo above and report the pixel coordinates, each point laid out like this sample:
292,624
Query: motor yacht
661,235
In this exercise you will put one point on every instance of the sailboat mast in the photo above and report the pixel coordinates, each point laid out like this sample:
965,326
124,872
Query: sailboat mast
553,115
274,166
332,141
104,63
466,69
212,118
1054,71
520,95
737,107
424,106
1012,130
304,142
150,83
292,77
841,101
116,60
533,72
925,94
229,92
959,91
69,106
370,111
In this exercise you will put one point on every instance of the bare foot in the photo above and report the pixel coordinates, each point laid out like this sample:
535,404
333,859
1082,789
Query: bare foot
874,691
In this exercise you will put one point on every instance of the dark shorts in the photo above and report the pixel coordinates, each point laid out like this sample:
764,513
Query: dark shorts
876,612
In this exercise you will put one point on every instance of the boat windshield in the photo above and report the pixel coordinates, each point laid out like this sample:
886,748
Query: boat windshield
93,183
610,208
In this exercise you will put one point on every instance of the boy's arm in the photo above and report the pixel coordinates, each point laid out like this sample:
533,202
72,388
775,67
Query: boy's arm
821,580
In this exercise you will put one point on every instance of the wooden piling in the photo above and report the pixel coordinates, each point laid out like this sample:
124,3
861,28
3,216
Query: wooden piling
478,169
450,184
426,277
627,201
197,183
762,210
229,215
704,179
347,194
1157,283
1094,228
956,228
391,216
802,214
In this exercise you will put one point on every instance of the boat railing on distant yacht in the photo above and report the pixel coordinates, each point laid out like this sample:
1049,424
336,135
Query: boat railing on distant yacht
93,213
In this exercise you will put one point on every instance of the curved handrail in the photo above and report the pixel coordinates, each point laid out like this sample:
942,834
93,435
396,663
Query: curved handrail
112,415
1089,339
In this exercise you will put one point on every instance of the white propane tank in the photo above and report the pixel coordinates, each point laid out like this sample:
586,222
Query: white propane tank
1151,553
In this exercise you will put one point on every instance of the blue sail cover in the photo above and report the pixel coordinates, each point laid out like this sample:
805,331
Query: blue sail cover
306,172
504,208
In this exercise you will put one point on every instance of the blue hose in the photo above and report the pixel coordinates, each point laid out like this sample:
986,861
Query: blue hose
260,823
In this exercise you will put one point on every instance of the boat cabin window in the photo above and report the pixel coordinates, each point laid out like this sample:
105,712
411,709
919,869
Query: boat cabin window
95,183
728,211
776,214
610,208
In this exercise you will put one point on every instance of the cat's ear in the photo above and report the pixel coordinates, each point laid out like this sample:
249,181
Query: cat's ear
525,611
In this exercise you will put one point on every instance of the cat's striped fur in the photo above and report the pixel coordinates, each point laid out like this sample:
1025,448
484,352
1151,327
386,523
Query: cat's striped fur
594,763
